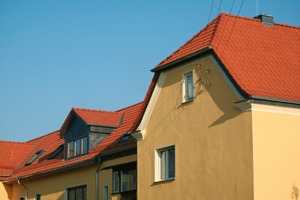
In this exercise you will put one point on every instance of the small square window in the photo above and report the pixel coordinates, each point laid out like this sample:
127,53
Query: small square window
37,197
165,163
188,87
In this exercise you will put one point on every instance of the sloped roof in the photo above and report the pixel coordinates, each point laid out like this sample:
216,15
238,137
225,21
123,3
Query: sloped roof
99,117
262,60
50,142
12,154
93,117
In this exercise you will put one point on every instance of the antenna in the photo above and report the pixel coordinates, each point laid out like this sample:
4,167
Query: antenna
256,7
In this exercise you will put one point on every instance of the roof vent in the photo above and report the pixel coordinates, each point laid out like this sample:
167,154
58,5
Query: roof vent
265,19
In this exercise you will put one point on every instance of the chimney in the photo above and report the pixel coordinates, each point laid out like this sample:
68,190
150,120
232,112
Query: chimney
265,19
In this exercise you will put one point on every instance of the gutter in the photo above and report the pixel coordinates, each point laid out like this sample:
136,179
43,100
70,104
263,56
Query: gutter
25,189
97,178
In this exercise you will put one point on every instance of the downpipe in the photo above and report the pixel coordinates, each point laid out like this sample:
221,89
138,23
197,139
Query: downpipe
25,189
97,178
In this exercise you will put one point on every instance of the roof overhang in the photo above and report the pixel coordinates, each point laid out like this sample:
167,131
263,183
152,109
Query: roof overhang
182,59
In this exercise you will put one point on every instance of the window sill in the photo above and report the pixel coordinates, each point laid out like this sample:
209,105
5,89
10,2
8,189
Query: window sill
187,101
165,180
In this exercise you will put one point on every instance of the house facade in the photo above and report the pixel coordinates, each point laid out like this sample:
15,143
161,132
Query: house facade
92,156
220,120
223,120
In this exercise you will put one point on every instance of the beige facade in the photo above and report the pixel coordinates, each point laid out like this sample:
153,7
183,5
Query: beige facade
54,186
212,138
276,152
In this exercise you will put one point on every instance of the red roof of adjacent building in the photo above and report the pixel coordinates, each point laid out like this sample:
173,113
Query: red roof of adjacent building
262,60
23,152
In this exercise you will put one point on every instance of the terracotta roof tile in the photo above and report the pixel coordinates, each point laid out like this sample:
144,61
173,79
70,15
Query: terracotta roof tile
50,142
99,117
12,154
262,60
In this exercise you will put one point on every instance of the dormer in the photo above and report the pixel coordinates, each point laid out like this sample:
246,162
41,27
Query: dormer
84,129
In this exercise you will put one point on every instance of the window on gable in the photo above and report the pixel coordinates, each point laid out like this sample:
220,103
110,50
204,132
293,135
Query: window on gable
165,164
56,152
188,87
77,147
35,157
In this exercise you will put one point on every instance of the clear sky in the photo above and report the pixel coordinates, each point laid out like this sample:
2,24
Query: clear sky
58,54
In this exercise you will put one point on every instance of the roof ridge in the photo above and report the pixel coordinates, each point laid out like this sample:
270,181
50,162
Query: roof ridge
16,142
42,136
122,109
93,110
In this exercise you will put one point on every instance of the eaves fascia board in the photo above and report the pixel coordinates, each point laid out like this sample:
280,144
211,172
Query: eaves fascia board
182,59
54,171
274,101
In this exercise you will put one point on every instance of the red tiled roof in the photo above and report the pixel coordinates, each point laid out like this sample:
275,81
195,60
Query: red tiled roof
12,154
50,142
263,60
99,117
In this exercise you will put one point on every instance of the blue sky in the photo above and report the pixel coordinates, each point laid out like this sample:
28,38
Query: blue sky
58,54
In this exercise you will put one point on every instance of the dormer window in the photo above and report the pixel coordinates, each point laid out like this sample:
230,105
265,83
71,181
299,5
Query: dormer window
77,147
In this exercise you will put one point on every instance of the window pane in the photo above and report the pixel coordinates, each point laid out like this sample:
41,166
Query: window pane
78,147
189,87
163,164
84,145
116,182
171,163
71,149
79,194
133,180
71,194
125,181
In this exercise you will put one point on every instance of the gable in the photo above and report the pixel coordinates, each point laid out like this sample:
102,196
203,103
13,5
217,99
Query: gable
262,61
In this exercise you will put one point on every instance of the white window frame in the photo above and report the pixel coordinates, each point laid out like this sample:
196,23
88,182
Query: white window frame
158,163
82,150
186,96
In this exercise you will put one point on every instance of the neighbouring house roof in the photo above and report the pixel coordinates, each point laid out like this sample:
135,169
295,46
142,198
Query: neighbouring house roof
93,117
261,60
50,142
12,154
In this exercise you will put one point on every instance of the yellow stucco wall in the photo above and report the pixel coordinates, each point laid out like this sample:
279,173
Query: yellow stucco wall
276,149
53,187
5,191
212,139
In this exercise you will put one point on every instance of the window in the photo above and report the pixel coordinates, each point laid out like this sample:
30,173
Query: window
77,147
21,198
105,192
165,161
124,179
56,152
37,197
116,182
188,87
35,157
77,193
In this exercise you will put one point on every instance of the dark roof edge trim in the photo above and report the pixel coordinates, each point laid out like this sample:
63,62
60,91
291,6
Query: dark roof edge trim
190,56
274,101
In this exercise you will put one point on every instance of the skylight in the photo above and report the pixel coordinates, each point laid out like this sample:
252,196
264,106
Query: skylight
56,152
35,157
125,137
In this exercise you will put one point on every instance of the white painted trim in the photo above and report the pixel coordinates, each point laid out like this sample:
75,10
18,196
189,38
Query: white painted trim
248,106
152,101
275,109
